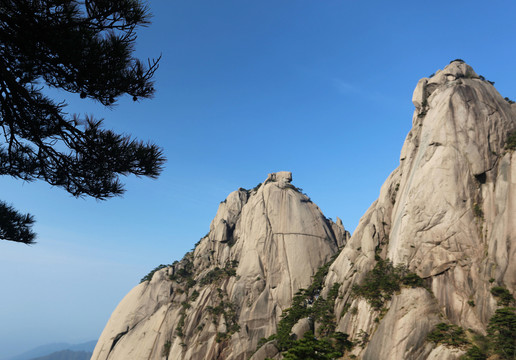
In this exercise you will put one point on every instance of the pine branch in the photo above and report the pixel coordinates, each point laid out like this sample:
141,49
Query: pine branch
15,226
83,47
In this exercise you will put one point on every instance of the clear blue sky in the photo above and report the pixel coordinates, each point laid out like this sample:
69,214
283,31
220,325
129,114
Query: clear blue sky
319,88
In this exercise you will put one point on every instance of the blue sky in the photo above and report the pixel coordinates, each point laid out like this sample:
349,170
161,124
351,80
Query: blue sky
244,88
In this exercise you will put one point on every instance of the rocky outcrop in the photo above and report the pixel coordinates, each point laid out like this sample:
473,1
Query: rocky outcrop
264,245
448,213
444,227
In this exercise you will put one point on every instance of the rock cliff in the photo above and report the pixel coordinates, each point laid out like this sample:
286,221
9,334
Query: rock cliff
430,264
448,213
264,245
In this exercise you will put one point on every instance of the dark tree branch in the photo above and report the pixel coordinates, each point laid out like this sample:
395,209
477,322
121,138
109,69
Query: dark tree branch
15,226
81,47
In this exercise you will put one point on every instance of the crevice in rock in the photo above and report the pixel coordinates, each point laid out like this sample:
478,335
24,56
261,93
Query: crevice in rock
442,272
116,339
481,178
230,239
266,214
302,234
289,273
330,228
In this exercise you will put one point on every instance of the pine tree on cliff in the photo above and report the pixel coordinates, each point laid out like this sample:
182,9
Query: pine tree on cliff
81,47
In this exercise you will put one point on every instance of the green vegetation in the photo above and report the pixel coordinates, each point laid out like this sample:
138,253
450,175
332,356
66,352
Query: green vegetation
503,295
459,60
484,79
219,309
502,332
190,283
509,100
474,353
183,275
424,110
471,303
166,349
198,242
219,273
510,144
397,187
186,305
225,307
383,281
149,276
256,187
322,311
228,310
221,337
263,341
308,303
341,342
309,347
378,286
194,296
465,76
363,339
500,339
183,271
451,335
477,211
181,323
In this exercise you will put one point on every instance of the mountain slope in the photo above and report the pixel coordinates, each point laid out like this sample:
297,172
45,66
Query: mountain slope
433,256
66,355
263,246
51,348
448,213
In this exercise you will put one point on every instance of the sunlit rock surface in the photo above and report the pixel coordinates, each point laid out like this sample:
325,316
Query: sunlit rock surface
448,213
273,238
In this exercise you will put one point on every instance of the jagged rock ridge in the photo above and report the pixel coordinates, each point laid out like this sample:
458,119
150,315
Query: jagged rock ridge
446,214
264,245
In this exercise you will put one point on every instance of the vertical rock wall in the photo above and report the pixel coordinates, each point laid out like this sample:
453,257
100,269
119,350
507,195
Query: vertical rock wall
447,212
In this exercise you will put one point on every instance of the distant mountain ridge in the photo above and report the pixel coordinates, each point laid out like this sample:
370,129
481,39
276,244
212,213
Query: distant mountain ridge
66,355
49,349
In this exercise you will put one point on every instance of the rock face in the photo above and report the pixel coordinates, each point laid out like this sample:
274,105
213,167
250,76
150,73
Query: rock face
447,214
264,245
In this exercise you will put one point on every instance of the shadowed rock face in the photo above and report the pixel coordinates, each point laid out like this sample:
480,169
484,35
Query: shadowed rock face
263,246
448,212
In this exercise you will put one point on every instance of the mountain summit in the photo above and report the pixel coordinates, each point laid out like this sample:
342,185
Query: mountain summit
429,273
264,245
447,213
